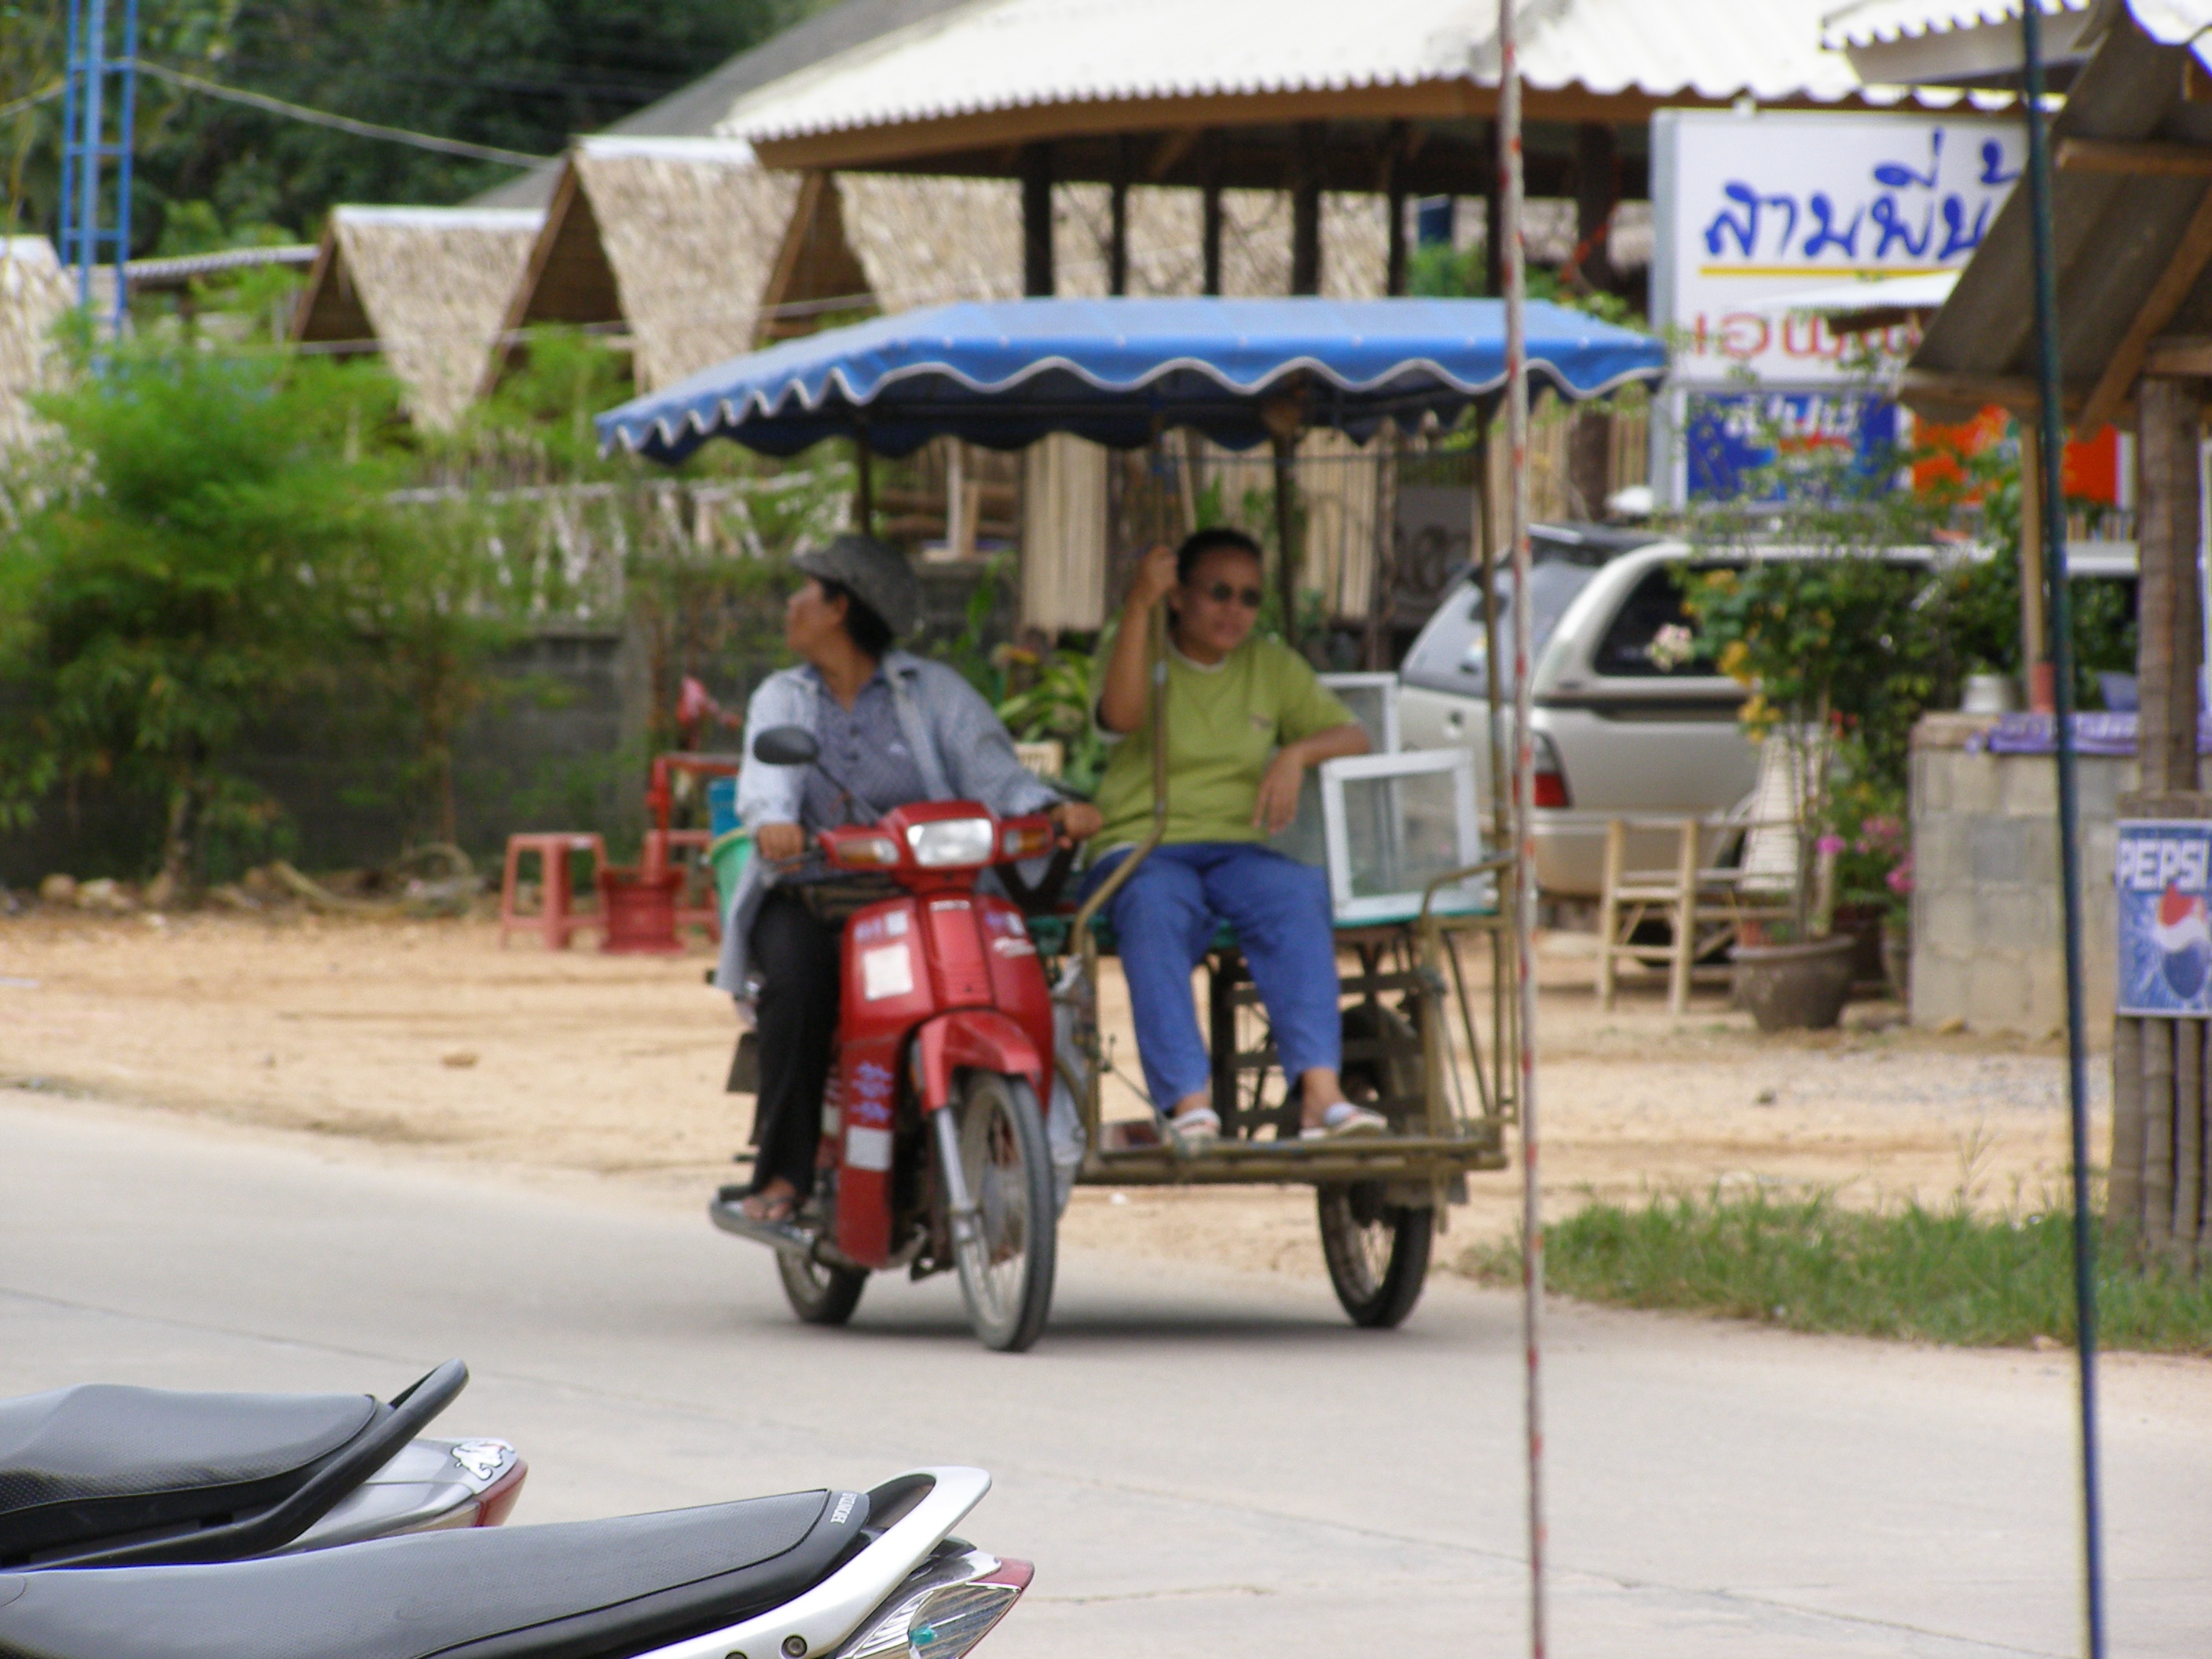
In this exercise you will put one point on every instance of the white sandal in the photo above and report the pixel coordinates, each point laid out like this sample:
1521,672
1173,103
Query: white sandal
1345,1119
1194,1131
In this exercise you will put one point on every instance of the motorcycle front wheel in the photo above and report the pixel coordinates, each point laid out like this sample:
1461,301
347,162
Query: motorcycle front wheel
1006,1267
819,1295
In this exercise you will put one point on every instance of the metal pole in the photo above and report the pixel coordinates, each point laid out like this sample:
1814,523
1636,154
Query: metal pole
1524,793
125,136
70,219
2053,508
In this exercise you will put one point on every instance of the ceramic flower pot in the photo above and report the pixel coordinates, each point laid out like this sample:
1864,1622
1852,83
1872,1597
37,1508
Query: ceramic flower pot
1796,987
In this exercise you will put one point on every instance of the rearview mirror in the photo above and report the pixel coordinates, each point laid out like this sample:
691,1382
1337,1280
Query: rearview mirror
786,746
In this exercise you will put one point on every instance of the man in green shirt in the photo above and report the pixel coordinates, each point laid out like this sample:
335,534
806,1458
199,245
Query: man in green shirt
1245,717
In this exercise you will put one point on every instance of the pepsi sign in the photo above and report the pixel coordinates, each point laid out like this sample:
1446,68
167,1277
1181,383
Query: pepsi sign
2160,881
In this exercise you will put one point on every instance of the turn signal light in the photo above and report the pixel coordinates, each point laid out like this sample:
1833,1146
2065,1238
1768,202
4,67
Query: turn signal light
867,852
1026,840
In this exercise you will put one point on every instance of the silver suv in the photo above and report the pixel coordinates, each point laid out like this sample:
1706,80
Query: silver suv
1617,732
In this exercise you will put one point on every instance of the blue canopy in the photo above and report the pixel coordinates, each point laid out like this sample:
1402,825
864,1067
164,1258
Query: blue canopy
1119,371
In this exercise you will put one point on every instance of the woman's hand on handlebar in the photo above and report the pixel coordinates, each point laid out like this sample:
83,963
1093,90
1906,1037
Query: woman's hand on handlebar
1077,820
779,842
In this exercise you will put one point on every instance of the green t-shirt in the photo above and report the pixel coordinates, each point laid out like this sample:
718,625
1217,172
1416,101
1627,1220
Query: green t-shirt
1225,724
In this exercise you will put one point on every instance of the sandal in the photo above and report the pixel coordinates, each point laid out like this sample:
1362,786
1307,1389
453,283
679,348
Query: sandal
1345,1119
1195,1131
769,1209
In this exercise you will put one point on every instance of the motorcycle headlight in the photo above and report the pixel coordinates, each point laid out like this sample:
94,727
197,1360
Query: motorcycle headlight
951,842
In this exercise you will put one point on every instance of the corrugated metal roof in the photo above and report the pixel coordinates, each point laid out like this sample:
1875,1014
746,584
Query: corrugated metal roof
1011,54
2116,233
1871,21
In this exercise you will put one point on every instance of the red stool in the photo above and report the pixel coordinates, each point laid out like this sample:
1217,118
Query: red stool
555,921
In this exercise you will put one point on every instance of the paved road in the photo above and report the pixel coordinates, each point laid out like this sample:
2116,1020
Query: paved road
1191,1459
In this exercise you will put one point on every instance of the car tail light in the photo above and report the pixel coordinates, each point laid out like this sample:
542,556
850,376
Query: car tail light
1551,777
1026,840
951,842
866,851
946,1606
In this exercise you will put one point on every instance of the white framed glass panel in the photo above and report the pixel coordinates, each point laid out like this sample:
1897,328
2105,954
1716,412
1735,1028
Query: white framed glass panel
1393,824
1373,700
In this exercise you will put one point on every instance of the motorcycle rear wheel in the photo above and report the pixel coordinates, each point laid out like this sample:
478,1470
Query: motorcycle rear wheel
1007,1269
819,1295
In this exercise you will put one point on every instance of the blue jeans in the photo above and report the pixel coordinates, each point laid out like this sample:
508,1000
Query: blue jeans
1164,917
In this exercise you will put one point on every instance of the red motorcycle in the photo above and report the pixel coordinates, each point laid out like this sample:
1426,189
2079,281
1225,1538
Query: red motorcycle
933,1149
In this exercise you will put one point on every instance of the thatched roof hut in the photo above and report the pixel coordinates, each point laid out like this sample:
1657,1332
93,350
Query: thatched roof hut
34,292
670,243
427,287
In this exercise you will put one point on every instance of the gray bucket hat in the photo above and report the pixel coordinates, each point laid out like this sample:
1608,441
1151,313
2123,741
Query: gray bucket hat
877,572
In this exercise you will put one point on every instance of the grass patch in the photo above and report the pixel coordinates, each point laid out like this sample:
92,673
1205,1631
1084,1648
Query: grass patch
1946,1276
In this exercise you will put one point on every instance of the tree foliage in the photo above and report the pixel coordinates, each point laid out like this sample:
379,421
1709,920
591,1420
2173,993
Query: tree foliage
522,75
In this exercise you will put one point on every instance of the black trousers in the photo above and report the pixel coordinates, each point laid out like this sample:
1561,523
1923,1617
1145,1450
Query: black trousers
799,957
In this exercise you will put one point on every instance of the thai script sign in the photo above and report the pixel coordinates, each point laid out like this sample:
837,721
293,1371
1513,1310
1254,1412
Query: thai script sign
1752,208
2160,880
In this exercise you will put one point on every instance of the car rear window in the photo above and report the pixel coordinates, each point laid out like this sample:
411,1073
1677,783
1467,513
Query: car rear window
1651,634
1449,656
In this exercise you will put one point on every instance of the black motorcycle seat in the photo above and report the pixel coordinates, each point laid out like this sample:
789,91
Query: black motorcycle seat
102,1460
578,1589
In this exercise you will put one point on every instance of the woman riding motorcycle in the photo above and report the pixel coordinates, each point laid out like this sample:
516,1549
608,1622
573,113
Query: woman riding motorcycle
892,728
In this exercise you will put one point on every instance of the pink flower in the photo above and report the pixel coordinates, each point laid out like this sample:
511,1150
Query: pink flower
1830,844
1900,877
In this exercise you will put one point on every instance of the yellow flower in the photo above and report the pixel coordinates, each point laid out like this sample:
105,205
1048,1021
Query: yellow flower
1734,656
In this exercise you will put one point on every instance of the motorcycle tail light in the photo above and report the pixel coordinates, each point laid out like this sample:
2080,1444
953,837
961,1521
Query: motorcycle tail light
942,1610
951,842
867,852
497,1502
1026,840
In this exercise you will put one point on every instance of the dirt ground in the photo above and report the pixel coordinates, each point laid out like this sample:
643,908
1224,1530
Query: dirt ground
428,1039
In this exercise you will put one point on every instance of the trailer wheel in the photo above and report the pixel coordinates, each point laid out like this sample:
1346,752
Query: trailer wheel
1378,1253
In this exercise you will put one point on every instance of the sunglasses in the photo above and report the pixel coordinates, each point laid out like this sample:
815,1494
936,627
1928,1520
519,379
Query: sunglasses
1222,593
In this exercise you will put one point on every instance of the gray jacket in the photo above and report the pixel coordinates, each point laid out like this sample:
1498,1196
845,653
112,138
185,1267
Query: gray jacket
959,742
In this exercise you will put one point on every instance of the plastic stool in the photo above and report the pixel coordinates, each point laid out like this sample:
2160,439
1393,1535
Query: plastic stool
555,921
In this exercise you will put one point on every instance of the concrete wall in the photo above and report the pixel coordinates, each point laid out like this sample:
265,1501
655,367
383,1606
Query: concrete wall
1986,940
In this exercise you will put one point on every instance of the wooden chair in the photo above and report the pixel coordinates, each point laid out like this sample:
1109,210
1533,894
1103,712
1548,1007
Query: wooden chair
1728,873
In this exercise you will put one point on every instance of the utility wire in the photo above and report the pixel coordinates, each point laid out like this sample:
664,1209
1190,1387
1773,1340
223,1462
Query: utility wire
512,158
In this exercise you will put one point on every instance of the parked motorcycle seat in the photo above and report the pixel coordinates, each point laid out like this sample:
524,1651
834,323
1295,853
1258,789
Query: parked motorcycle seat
580,1589
103,1460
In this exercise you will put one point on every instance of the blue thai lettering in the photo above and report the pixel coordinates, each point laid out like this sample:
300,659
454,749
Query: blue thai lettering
1825,235
1957,236
1993,167
1745,226
1897,175
1894,230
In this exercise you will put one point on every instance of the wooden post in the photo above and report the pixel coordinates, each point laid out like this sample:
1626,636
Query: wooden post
2171,627
2158,1133
1036,221
1117,235
1286,567
2124,1179
2035,629
1210,210
1597,191
1494,224
2204,1155
864,491
1305,209
1394,207
2188,1131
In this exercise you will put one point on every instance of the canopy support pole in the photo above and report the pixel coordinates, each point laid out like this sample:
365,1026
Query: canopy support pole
864,489
1286,564
2051,419
1524,794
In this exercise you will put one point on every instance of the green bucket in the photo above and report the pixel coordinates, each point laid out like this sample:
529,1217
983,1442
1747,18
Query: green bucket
729,853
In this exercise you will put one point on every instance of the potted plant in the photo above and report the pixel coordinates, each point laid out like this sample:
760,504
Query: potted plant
1838,641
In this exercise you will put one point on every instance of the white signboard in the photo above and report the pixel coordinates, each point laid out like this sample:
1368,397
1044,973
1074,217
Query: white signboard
1750,209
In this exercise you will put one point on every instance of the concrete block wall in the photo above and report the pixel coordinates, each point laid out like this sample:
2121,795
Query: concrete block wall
1986,908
